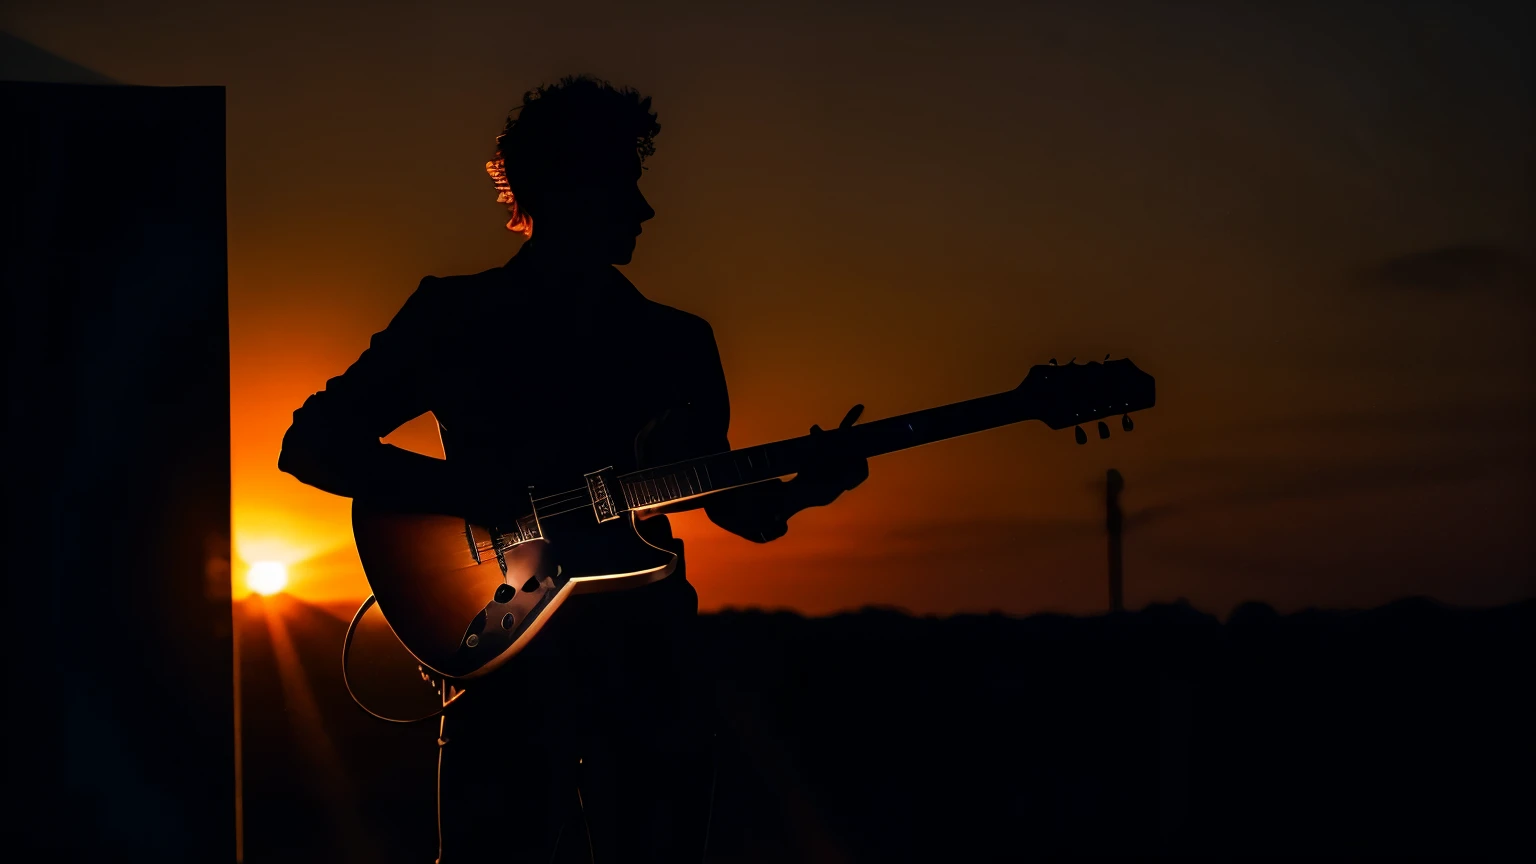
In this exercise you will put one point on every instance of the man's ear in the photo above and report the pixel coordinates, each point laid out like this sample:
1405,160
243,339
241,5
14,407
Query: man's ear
528,199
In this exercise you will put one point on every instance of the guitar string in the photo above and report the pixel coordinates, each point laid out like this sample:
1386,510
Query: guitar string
579,494
568,498
558,498
578,497
582,490
586,505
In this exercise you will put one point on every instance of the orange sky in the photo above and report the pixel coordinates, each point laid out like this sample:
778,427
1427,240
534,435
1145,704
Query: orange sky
1312,225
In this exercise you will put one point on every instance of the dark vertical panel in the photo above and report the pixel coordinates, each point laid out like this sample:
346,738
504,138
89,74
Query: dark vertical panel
117,620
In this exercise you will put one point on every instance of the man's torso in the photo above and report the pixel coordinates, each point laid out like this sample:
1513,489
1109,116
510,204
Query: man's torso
543,379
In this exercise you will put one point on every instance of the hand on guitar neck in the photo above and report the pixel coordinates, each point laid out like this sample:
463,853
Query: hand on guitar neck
830,470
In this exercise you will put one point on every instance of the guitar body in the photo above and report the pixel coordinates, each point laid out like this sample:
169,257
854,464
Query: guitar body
462,617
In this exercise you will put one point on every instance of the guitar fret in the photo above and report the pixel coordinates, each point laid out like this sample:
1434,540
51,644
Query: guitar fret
660,489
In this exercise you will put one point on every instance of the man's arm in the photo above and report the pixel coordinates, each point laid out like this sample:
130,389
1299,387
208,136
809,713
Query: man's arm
334,443
761,512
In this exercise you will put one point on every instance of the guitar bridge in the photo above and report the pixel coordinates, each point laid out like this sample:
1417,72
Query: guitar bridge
601,486
480,541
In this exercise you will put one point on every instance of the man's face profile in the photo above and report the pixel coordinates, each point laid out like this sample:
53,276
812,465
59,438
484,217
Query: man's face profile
596,211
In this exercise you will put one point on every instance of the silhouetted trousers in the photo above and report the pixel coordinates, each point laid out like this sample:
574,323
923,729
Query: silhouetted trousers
603,722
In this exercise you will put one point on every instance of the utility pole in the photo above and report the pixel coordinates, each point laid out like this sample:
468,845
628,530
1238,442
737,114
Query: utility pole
1113,520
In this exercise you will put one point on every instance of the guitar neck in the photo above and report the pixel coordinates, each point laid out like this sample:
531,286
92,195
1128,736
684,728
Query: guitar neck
679,481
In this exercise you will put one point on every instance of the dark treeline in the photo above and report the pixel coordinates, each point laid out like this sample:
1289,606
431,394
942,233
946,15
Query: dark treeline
876,736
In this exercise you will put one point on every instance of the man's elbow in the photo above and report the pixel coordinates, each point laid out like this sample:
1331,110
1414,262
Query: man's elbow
307,452
298,455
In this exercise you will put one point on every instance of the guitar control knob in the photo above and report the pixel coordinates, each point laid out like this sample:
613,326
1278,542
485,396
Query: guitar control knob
507,621
1125,422
1103,430
472,635
1080,435
504,592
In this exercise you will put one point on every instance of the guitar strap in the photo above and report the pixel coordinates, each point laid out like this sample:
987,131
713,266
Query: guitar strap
346,655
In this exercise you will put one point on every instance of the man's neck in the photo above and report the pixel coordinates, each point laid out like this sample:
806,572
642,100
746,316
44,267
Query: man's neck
572,276
554,253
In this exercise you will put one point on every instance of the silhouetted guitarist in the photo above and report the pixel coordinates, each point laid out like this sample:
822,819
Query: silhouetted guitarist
543,370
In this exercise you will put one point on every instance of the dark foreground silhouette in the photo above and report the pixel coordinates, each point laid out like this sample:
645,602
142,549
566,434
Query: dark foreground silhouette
571,159
876,736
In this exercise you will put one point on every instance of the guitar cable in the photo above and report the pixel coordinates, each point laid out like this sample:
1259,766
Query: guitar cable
346,654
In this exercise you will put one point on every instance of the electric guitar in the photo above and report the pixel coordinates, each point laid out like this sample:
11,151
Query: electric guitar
466,598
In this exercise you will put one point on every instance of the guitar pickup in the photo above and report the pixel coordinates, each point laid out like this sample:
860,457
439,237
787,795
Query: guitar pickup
601,488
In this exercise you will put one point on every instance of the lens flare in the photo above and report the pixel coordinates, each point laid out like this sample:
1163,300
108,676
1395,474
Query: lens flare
267,577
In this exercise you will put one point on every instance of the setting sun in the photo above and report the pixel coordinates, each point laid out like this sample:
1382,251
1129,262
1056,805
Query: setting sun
267,577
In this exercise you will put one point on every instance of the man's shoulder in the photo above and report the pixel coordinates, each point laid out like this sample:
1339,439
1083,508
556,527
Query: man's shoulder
504,284
680,321
440,299
448,286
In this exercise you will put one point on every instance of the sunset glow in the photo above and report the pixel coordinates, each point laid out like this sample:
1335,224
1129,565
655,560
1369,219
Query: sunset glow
267,577
1283,353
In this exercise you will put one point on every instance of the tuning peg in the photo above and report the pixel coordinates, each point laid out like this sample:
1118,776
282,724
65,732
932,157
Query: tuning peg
1106,358
1125,422
1053,361
1080,435
1103,430
1073,360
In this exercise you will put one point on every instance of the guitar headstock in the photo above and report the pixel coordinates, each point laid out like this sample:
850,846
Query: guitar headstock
1075,393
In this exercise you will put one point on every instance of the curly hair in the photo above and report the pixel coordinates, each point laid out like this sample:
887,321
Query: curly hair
559,127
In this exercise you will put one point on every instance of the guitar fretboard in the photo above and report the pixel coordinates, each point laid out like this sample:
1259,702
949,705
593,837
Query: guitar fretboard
667,484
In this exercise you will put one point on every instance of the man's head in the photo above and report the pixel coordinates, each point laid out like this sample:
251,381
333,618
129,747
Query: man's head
572,156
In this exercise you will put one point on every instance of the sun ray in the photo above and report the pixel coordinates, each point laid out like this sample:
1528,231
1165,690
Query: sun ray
318,747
